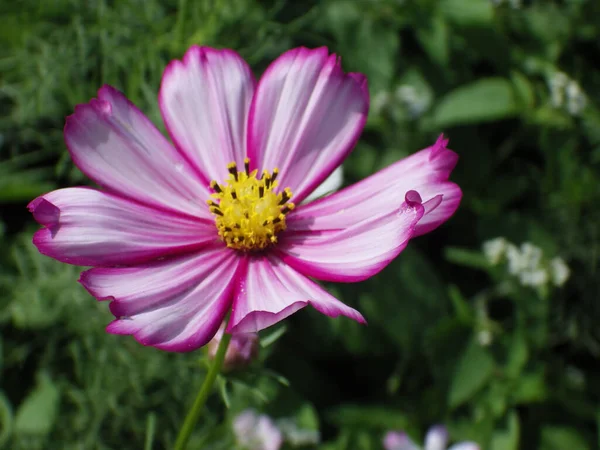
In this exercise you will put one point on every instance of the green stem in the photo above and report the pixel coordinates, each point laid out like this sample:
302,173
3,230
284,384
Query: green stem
205,389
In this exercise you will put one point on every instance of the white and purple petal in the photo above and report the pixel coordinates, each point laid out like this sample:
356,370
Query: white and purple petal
425,172
271,290
465,446
204,101
305,117
87,227
355,250
114,144
175,304
436,438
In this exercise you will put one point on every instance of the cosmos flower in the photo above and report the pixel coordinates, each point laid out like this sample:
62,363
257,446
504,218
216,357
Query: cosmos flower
436,439
182,234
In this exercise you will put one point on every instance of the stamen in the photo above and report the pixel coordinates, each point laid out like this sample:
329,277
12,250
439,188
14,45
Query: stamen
249,212
232,169
287,208
285,196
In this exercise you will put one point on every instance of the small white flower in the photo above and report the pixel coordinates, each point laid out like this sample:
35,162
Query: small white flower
410,97
484,337
296,436
495,249
559,270
557,84
576,100
534,278
379,102
256,431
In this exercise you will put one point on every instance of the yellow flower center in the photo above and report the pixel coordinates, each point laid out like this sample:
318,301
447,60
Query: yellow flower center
248,212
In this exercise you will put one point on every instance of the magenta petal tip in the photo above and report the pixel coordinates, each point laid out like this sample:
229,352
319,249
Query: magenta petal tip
44,212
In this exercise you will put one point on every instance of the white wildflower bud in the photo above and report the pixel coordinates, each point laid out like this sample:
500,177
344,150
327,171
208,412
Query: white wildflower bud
515,259
559,271
414,102
532,255
576,100
379,102
296,436
557,84
484,338
495,249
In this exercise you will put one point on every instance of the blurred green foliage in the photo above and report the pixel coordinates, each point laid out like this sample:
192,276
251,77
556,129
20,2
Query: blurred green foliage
452,338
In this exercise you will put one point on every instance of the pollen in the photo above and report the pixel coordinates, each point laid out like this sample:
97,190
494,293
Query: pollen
249,210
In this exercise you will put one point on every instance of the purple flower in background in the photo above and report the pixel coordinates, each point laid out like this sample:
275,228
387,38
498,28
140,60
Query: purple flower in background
436,439
255,431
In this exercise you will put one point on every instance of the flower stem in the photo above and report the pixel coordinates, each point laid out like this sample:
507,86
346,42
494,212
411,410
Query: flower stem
205,389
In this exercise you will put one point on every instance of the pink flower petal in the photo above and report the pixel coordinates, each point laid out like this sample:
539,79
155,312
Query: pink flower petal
305,118
271,291
357,252
93,228
175,304
204,101
398,440
425,172
114,144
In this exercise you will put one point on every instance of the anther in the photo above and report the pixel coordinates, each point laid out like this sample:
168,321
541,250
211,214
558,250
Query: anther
287,208
275,173
232,169
247,166
233,194
261,191
285,196
215,186
216,211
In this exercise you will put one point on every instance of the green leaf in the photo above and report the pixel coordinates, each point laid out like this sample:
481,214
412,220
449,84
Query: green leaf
368,417
37,414
507,439
531,388
518,355
562,438
435,40
474,369
6,419
481,101
463,310
468,12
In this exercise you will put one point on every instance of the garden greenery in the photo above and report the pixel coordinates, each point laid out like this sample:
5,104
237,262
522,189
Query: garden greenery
489,325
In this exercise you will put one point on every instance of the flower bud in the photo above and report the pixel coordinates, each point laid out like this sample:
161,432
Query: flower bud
242,350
